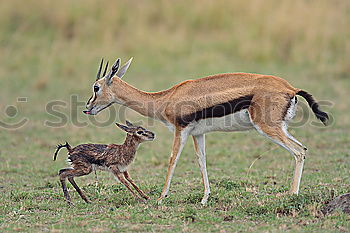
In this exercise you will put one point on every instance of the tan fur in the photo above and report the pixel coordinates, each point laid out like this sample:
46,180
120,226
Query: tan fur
219,88
271,96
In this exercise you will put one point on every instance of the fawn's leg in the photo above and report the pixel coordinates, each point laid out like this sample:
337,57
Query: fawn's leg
81,170
63,183
96,178
180,138
120,177
199,146
82,195
128,178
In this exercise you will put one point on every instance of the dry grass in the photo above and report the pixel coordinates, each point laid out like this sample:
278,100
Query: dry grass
312,33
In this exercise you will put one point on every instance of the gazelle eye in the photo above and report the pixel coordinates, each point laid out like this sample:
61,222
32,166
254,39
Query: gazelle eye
96,88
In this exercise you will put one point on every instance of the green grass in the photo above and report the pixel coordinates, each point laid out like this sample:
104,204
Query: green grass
50,51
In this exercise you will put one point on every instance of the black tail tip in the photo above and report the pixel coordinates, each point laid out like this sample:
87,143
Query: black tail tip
322,116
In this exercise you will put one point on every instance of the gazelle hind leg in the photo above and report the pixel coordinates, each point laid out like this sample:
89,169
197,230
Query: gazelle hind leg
299,165
63,184
82,195
269,114
277,135
70,173
285,130
199,146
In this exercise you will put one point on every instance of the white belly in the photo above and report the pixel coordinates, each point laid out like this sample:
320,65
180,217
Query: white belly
238,121
104,168
122,168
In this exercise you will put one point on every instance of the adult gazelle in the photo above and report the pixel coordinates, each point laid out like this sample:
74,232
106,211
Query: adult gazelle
222,102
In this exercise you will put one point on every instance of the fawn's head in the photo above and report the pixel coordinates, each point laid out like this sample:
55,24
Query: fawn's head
103,95
138,131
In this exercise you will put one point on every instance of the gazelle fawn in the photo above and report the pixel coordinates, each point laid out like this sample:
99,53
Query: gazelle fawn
222,102
115,158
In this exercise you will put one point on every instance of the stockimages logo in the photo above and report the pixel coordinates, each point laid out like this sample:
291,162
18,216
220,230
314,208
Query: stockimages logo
12,119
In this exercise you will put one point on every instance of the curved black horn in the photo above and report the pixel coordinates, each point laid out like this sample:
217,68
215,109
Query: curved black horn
106,67
112,72
99,70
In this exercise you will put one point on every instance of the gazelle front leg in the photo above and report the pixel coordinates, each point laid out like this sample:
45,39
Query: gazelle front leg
124,182
199,146
96,178
180,138
128,178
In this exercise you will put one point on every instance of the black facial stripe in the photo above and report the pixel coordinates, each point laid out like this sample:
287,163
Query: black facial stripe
218,110
94,98
89,100
105,106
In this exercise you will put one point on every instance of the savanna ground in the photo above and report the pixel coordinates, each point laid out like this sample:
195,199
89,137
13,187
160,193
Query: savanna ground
50,51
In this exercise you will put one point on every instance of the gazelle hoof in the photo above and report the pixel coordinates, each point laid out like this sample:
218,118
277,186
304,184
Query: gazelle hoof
140,200
159,200
293,192
70,203
205,200
283,194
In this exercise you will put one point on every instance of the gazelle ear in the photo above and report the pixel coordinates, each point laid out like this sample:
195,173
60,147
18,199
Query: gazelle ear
124,68
112,72
123,127
129,124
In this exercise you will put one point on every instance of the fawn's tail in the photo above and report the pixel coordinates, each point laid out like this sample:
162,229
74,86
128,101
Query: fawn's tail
60,146
322,116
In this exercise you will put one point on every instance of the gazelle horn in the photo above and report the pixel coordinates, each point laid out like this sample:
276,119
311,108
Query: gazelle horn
99,70
112,72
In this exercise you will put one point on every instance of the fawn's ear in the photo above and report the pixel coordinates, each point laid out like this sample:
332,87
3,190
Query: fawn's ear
123,127
129,124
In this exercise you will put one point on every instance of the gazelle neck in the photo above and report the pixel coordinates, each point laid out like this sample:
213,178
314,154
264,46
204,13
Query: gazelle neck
145,103
132,142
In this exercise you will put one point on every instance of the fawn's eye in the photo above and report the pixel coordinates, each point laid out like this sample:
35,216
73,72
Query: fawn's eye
96,88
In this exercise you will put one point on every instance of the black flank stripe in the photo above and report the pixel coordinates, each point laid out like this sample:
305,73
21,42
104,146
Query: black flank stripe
218,110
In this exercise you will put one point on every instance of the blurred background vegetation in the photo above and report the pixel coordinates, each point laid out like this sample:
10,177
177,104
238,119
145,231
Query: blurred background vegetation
50,50
58,38
47,46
